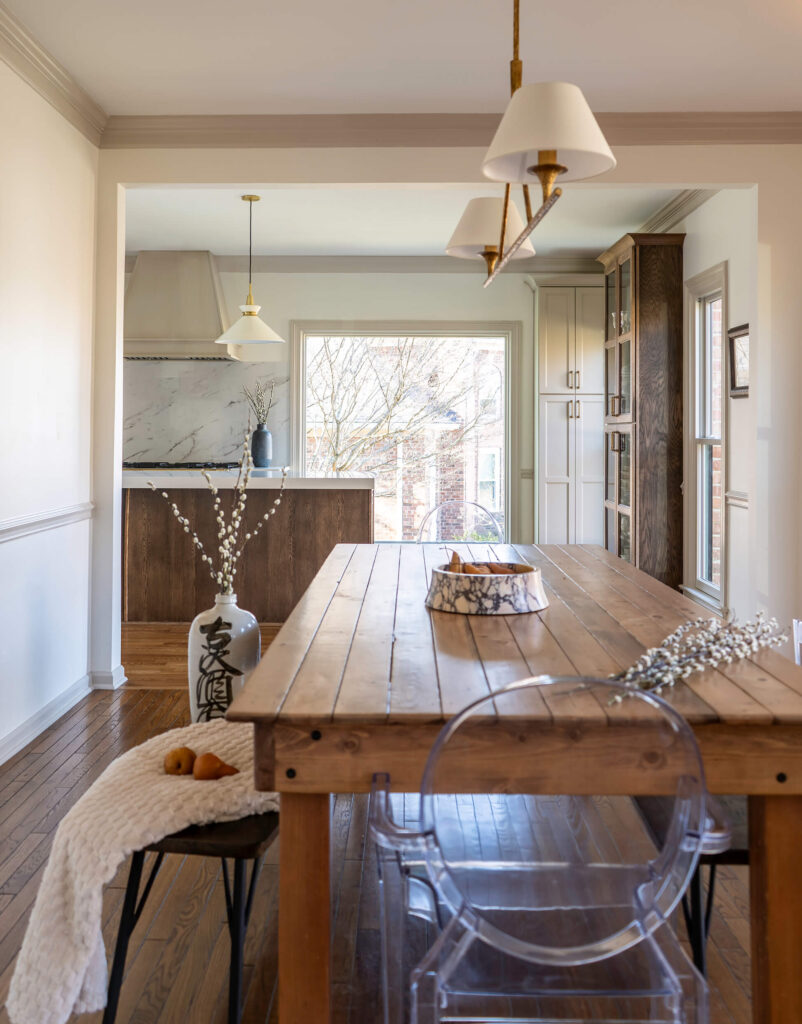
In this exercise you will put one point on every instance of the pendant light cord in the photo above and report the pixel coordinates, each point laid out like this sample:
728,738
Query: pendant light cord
515,29
250,240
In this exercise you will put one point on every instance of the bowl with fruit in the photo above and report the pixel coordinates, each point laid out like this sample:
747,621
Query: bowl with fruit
486,588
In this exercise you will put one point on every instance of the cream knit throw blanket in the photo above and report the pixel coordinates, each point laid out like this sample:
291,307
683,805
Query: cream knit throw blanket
61,967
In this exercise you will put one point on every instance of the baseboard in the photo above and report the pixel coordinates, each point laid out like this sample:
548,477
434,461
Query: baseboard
44,717
109,680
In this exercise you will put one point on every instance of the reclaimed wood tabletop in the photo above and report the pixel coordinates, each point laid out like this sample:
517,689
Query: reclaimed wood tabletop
362,676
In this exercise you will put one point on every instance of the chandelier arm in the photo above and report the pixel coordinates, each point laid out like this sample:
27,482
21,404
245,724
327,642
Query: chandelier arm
504,213
527,231
527,203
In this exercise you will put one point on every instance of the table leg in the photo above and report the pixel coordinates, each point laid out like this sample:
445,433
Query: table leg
304,914
775,855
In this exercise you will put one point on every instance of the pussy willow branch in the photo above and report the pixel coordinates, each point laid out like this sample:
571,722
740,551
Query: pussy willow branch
229,548
698,645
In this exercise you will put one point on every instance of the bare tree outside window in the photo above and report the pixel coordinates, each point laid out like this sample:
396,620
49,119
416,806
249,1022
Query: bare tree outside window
410,411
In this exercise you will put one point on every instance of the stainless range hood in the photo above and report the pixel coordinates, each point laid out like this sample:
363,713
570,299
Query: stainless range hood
174,307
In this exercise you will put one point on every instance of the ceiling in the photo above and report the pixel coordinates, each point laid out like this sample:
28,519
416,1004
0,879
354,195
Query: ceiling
419,56
374,221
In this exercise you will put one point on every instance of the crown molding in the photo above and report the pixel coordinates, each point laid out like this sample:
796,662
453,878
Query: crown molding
46,76
676,209
299,131
321,131
703,128
400,265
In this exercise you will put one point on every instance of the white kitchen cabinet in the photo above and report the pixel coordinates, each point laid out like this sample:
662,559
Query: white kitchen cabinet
571,415
571,469
570,331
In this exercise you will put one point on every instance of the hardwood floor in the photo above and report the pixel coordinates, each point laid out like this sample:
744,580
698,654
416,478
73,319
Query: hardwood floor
178,959
155,653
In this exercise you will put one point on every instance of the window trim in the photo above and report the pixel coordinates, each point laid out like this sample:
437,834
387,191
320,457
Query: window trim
510,330
710,283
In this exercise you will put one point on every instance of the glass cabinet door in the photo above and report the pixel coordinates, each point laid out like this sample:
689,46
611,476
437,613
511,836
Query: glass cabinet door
625,315
625,377
625,469
624,538
611,306
610,534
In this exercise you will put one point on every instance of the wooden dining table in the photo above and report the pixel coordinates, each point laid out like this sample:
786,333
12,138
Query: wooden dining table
362,676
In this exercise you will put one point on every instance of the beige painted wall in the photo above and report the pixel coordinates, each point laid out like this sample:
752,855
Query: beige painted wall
776,170
48,177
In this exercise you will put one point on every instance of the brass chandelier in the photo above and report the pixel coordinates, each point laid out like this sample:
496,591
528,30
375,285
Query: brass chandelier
548,131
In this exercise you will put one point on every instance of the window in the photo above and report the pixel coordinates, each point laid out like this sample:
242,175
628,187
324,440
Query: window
425,414
705,473
488,478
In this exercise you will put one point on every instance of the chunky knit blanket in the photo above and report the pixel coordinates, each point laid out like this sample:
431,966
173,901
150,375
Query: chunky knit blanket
61,967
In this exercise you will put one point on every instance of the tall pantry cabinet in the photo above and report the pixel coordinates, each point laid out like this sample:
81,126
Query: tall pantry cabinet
570,332
643,408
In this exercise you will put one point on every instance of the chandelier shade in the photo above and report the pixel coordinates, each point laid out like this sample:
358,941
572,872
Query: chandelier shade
478,229
547,118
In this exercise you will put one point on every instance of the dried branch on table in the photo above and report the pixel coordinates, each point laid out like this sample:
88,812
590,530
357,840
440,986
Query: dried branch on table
698,645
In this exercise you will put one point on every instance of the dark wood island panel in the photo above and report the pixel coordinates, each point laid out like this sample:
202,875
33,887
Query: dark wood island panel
164,579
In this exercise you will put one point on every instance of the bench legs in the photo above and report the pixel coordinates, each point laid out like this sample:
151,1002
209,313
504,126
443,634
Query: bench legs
238,910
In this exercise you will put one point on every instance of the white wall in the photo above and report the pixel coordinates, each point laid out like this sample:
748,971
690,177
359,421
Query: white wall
725,229
48,176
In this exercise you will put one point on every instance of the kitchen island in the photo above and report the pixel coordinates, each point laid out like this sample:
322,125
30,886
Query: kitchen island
164,579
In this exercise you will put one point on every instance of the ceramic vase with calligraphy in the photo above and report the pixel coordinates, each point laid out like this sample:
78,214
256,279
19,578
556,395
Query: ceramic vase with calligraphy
224,648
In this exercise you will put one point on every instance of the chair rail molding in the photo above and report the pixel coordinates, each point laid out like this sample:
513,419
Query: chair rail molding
51,80
50,519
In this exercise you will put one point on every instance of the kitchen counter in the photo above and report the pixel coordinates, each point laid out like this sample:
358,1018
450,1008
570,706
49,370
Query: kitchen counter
261,479
163,577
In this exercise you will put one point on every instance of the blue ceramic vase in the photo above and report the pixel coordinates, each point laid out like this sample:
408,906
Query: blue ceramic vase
261,446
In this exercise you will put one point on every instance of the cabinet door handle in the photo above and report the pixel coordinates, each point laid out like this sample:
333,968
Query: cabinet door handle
577,380
570,380
570,410
613,446
616,403
578,409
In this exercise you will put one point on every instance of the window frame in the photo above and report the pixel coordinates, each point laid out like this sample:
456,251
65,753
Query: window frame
510,330
699,291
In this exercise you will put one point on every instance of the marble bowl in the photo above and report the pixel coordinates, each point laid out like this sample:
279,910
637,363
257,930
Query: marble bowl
494,594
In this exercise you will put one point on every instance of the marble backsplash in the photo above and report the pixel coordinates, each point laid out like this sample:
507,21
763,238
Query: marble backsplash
184,410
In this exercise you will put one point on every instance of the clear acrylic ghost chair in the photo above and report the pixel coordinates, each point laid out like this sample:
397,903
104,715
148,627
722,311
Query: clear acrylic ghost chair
545,908
797,625
464,521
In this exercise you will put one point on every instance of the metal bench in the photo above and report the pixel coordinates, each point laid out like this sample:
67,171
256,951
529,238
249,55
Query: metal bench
656,812
242,840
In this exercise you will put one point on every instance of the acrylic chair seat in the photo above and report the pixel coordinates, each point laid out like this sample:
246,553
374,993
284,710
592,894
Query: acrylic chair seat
542,908
461,522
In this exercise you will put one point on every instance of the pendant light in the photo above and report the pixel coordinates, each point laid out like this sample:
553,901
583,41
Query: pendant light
250,329
548,131
476,234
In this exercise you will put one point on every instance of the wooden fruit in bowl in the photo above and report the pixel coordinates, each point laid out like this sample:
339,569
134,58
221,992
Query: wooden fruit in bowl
486,588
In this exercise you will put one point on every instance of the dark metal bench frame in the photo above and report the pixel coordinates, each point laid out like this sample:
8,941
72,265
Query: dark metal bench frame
242,840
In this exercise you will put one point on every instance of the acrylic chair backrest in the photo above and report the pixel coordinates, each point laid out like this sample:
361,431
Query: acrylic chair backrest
460,521
797,624
563,879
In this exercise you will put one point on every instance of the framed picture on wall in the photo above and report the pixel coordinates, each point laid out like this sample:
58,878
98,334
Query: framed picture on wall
739,361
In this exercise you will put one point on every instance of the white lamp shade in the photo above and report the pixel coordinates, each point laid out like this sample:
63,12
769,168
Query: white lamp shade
547,115
249,330
480,227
